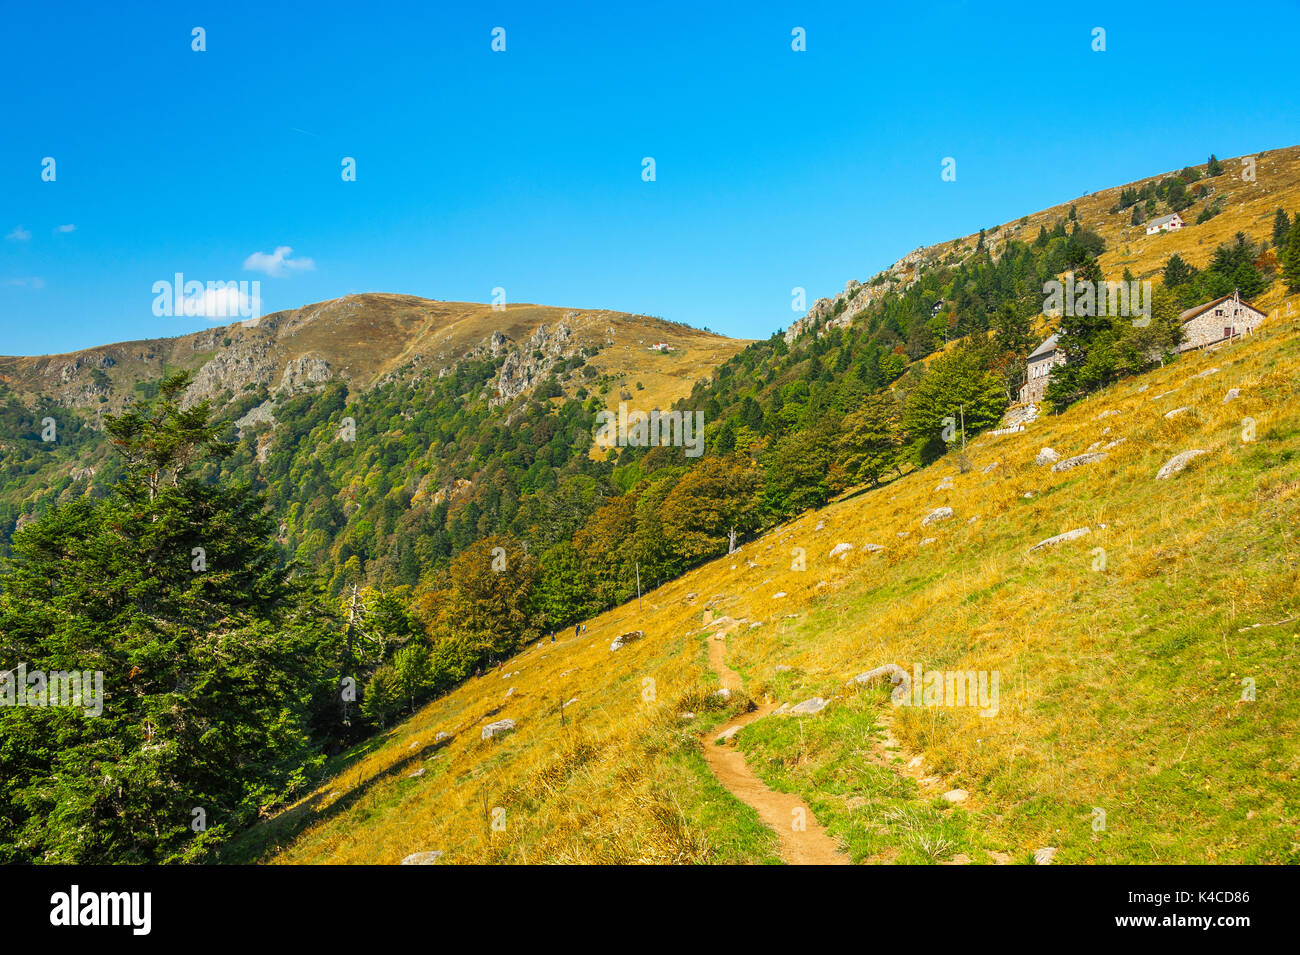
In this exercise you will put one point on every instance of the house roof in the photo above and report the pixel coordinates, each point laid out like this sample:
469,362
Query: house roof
1165,219
1045,349
1191,313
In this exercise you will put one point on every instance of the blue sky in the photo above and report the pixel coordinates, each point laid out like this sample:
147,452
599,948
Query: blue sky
523,169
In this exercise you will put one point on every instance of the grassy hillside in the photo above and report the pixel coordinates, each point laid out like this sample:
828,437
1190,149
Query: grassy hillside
1121,683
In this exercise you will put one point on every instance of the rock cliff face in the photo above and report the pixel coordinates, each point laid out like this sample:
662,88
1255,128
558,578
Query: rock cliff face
242,363
526,365
825,313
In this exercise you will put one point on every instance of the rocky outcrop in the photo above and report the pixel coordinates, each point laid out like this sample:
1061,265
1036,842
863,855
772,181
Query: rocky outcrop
423,858
814,705
1061,538
937,515
624,639
1176,464
499,728
260,415
1078,460
303,373
527,364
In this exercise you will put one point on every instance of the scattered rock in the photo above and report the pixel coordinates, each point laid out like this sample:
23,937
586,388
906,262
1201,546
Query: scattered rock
569,702
955,795
1232,393
944,485
1204,374
1046,456
1044,856
989,467
820,525
621,641
1060,538
937,515
510,692
441,736
723,694
499,728
415,775
928,540
872,548
895,673
839,550
814,705
727,734
423,858
1175,464
1177,411
688,716
1106,414
778,595
782,668
1114,444
1077,460
724,624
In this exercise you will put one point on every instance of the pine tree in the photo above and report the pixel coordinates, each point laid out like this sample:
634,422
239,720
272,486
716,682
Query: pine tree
174,592
1281,230
1291,263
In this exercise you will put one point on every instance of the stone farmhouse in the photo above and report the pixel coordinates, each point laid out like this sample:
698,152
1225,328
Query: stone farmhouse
1218,321
1170,223
1041,361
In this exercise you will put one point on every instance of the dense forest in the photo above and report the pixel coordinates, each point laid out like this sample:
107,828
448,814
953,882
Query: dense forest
363,552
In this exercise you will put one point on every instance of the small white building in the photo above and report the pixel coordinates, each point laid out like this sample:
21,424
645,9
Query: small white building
1218,321
1170,223
1040,363
661,347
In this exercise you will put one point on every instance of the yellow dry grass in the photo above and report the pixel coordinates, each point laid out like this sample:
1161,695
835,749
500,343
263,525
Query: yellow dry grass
1086,717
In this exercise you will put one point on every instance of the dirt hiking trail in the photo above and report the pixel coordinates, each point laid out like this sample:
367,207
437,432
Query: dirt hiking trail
780,811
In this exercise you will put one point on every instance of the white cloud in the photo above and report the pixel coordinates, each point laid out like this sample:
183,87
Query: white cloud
66,228
278,263
218,302
31,282
19,234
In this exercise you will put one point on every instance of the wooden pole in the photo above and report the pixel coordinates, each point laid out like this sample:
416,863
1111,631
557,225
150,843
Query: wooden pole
638,587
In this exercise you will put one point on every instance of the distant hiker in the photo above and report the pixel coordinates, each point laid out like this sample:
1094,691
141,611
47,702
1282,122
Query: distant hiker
552,636
478,670
577,629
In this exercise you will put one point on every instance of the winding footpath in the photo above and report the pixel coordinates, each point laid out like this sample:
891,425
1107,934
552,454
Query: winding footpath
810,845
